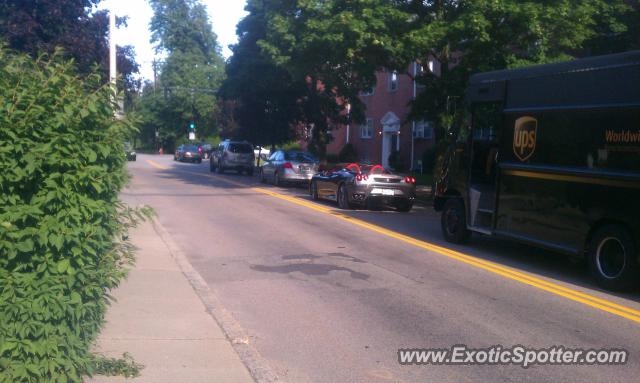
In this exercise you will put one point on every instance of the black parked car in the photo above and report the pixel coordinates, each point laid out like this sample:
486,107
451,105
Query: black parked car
364,185
187,152
129,152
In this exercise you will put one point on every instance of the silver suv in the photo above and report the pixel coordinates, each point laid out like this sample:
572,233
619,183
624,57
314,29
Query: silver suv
234,155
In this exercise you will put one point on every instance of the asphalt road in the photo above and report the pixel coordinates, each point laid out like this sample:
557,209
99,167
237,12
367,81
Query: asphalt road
330,296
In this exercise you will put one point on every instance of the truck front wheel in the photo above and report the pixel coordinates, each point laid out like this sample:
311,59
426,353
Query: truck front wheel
454,221
613,258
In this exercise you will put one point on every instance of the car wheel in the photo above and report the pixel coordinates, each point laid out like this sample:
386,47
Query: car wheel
212,167
219,168
262,179
276,179
343,198
250,172
454,221
613,258
404,206
199,160
314,190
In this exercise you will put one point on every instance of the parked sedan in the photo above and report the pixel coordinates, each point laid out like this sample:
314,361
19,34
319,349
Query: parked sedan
129,152
364,185
187,152
289,166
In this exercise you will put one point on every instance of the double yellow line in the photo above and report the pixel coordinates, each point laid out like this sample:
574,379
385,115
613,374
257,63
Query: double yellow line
554,288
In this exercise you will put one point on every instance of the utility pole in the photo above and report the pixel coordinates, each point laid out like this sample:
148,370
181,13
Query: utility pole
113,75
155,76
348,122
112,50
413,123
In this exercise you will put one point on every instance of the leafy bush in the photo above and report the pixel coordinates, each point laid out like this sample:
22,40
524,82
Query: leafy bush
396,162
348,153
429,160
294,146
62,227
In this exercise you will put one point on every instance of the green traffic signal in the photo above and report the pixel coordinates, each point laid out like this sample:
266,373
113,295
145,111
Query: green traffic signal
192,125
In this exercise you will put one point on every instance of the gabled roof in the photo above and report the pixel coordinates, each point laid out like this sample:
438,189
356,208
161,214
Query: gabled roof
389,118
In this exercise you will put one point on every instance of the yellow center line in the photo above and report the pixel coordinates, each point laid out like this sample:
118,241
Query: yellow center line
574,295
157,165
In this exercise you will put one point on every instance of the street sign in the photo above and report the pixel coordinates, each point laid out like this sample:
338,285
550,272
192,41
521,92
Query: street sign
192,136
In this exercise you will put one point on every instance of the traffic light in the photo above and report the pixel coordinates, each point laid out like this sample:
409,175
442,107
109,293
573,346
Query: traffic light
192,125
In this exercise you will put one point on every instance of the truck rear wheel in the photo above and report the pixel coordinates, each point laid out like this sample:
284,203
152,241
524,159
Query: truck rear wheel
404,206
454,221
613,258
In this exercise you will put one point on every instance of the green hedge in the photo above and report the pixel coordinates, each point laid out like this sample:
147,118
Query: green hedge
62,227
348,153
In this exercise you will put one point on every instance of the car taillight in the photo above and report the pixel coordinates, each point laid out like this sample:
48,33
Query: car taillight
361,177
409,180
200,150
287,165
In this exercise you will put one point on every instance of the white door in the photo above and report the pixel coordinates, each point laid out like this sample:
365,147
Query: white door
390,127
386,148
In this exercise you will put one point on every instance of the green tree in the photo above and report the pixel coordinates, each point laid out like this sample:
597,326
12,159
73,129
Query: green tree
193,69
36,27
467,37
261,96
335,48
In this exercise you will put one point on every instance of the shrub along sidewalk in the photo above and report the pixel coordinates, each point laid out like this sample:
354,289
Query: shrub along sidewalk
62,227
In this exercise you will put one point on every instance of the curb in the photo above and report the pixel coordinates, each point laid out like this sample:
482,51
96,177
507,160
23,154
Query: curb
253,361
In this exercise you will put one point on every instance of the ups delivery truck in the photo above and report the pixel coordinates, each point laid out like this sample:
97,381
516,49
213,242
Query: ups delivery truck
550,156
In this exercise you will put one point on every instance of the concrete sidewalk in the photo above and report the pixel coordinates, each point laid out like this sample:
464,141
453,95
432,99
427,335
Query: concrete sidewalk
160,320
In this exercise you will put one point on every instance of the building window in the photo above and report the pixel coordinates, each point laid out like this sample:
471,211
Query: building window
393,81
423,129
368,92
420,77
366,130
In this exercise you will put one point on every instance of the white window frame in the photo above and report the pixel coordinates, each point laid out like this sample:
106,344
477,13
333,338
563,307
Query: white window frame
424,130
366,129
394,81
420,71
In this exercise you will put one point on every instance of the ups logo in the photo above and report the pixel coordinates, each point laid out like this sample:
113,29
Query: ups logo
524,137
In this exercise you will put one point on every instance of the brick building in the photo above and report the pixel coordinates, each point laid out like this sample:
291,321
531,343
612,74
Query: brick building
387,127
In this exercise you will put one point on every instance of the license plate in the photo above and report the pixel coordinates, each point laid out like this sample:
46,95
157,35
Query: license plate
383,191
303,168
